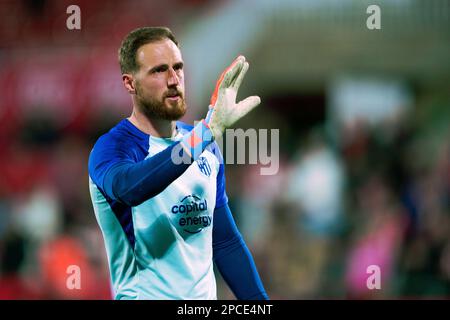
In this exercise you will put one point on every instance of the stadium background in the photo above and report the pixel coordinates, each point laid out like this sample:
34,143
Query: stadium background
364,139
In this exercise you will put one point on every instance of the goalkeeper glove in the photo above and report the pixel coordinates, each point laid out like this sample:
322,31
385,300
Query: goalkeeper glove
223,109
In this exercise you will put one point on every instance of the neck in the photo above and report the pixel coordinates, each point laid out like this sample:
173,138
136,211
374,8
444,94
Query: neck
154,127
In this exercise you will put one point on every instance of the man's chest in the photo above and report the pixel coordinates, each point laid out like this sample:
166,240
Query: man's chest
188,203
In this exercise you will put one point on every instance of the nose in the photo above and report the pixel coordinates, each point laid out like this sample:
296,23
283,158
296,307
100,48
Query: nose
172,79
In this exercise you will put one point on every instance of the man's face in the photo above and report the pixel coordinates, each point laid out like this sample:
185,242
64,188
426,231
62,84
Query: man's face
159,82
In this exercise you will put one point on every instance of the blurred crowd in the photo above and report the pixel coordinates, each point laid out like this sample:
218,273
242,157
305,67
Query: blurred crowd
376,196
344,199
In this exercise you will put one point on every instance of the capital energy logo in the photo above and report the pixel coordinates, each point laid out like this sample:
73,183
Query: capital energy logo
192,214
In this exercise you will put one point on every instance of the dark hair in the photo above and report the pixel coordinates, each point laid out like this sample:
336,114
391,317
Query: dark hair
136,39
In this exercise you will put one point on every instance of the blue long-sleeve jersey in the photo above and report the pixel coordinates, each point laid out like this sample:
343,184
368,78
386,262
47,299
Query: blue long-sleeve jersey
165,223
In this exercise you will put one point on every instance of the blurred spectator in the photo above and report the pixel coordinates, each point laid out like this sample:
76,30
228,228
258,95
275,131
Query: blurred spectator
12,283
315,185
57,257
377,239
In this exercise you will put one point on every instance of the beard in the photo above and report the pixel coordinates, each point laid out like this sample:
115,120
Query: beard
154,108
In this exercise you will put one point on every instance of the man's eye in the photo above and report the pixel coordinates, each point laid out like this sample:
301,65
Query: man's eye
159,69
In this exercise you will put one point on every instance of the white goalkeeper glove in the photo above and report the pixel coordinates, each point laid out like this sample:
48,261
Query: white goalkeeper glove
223,109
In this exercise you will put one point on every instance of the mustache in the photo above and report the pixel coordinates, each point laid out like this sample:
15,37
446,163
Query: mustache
173,92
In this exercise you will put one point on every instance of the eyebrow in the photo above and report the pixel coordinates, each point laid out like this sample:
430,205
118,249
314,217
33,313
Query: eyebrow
166,66
179,64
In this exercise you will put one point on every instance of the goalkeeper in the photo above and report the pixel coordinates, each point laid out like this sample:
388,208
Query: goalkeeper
165,222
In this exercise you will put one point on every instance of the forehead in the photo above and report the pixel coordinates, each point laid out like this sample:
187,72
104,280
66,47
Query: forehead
159,52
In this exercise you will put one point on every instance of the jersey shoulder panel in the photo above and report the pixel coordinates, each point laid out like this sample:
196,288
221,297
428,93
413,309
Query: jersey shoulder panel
123,143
